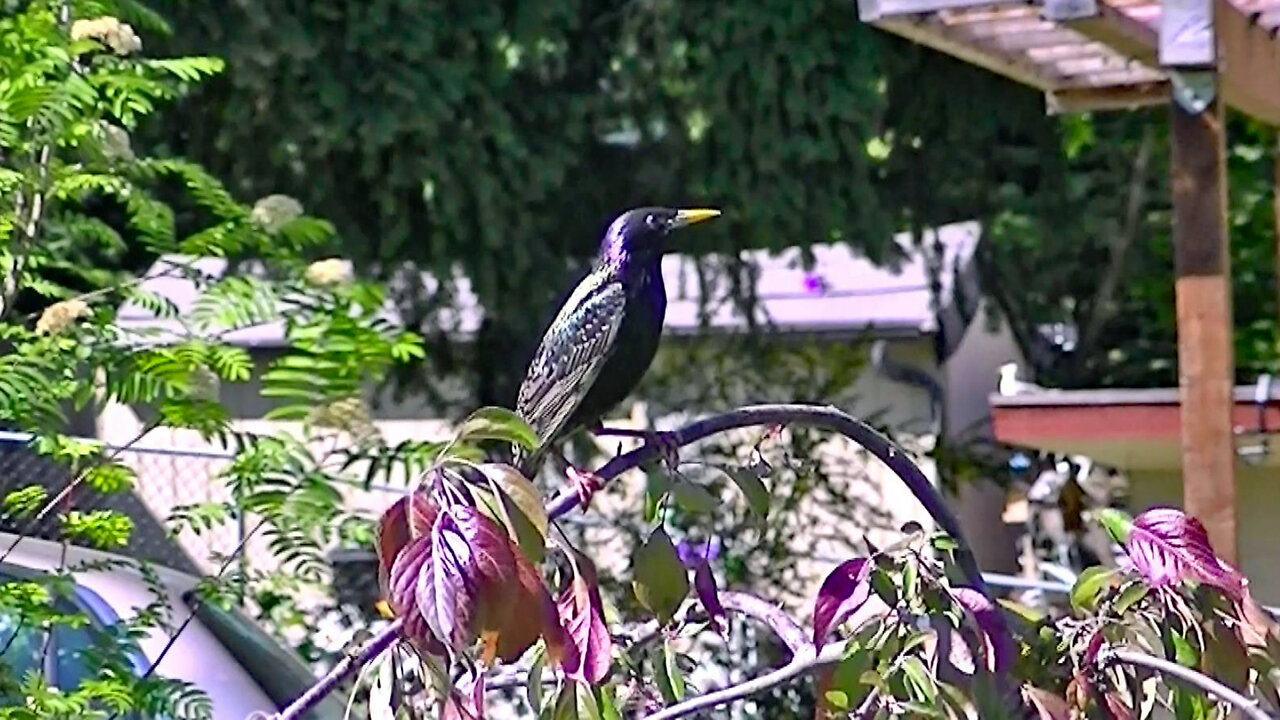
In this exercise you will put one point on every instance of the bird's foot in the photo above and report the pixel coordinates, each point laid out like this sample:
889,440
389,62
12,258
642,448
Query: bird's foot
585,484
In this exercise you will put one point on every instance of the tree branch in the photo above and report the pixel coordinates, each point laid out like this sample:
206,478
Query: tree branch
769,614
825,417
804,663
804,660
1112,656
1101,309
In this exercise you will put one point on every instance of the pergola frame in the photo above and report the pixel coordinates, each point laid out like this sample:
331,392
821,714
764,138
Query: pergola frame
1196,56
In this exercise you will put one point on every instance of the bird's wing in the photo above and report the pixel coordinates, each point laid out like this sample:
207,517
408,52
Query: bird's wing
573,350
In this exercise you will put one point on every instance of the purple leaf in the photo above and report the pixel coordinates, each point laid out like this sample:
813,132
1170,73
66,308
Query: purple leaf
468,706
997,643
390,537
588,648
704,583
446,590
842,593
1167,547
402,594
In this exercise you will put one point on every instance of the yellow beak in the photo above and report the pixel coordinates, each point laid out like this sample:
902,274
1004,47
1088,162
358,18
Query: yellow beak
690,217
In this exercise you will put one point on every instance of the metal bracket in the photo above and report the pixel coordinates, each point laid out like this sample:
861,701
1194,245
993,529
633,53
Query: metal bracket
1062,10
1193,90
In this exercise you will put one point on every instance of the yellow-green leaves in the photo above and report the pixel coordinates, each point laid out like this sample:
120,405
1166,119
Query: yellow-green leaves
660,580
495,423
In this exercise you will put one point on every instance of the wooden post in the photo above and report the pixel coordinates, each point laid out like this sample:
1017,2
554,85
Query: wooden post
1206,366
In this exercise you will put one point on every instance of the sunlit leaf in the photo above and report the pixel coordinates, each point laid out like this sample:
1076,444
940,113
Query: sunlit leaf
495,423
1167,547
670,679
588,649
660,580
842,593
1089,587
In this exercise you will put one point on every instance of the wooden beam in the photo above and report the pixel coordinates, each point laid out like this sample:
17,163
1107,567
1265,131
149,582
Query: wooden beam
1249,61
1127,97
949,41
1203,288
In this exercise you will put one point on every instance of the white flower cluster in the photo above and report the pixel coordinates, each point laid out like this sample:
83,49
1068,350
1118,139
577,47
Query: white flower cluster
204,384
115,142
326,273
349,414
61,315
109,31
274,212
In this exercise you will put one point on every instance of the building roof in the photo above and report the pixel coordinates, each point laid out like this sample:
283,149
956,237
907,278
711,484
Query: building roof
843,292
1132,429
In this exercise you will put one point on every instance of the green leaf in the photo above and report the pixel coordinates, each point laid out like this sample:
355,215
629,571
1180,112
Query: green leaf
660,581
693,497
910,580
533,686
110,477
26,501
919,683
608,705
1117,524
883,585
495,423
103,529
1089,587
752,487
670,679
588,709
1133,593
566,705
520,510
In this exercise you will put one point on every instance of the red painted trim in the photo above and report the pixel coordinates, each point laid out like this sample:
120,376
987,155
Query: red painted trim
1029,424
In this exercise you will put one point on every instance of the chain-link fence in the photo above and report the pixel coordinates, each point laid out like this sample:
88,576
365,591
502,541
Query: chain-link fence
167,479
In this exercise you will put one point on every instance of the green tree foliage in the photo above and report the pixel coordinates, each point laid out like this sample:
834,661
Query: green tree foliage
79,206
503,138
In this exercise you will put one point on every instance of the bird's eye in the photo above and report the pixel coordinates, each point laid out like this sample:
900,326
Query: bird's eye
652,221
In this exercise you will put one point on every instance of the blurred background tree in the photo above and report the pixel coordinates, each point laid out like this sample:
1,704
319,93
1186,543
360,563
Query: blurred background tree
504,136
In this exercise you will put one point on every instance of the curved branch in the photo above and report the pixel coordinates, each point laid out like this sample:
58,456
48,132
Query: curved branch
804,661
769,614
825,417
802,664
1200,681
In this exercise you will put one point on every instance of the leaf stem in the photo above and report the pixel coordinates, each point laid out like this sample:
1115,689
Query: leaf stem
1114,655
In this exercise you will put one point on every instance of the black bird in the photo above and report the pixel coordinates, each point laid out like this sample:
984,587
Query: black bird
605,336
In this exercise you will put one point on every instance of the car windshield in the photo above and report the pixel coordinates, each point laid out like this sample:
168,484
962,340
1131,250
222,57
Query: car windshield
279,672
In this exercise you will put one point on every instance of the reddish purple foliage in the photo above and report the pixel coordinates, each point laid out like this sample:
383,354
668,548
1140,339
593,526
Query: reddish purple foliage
1167,547
587,652
842,593
699,560
999,647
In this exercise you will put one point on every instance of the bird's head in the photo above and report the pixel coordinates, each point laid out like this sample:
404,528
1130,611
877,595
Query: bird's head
643,232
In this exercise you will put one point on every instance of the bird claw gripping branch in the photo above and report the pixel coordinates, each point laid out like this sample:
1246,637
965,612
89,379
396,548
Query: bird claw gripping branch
585,484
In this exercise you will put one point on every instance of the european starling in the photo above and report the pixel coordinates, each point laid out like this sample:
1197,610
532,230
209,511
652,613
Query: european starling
605,336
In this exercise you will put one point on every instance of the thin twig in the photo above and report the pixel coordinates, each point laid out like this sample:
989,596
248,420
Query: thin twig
1112,655
347,665
804,663
195,606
